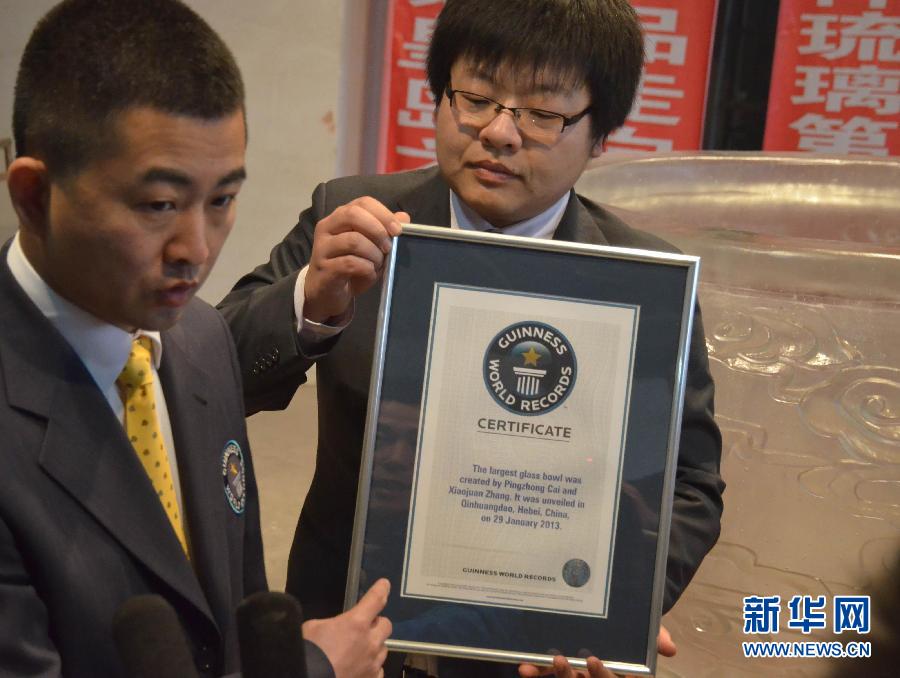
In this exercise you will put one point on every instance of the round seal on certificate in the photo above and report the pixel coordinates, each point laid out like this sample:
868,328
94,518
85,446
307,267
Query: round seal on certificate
529,368
576,573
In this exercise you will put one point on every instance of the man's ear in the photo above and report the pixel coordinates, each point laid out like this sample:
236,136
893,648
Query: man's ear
29,192
598,147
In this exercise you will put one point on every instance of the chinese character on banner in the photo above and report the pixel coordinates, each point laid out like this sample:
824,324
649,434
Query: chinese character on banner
836,78
761,614
670,106
407,107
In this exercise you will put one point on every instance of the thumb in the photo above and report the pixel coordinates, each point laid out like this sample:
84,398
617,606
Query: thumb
373,602
664,643
396,228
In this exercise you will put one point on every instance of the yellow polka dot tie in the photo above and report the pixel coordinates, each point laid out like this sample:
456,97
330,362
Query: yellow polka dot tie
142,427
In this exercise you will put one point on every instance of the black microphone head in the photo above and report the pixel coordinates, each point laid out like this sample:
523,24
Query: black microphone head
150,639
270,635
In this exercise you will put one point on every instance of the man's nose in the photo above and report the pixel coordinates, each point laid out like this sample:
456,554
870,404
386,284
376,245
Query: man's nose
189,242
502,131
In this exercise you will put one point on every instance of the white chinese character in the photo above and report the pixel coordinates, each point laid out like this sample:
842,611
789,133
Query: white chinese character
873,4
829,135
417,49
626,136
871,35
654,98
669,48
426,152
657,19
419,109
813,82
867,87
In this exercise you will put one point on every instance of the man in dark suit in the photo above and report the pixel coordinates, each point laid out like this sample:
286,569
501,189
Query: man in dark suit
527,92
125,457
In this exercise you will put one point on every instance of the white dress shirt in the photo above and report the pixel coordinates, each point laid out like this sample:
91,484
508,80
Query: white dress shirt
543,225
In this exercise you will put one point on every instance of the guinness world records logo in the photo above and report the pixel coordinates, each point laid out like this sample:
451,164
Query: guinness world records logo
529,368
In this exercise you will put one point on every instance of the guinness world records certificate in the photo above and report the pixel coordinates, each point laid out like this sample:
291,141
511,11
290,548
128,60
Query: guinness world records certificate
518,465
521,441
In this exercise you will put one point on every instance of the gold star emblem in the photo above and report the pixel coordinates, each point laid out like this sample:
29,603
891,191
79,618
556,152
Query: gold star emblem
531,357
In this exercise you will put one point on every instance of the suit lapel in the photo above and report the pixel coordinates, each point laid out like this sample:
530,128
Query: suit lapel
85,448
86,451
189,394
577,224
428,203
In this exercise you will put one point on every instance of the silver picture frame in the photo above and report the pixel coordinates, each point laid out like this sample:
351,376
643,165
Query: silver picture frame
619,624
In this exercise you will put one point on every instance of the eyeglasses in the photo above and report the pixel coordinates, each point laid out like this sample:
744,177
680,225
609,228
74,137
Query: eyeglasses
537,124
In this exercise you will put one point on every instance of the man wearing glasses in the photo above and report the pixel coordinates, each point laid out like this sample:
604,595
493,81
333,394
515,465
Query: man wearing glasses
526,93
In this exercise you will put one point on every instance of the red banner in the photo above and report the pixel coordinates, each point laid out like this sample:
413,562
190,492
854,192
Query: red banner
407,107
670,106
836,78
667,115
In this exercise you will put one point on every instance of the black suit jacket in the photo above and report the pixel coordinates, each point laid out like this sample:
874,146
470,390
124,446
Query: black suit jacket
81,529
260,313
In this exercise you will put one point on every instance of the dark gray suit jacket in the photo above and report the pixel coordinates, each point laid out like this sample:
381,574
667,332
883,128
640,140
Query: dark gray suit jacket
81,529
260,313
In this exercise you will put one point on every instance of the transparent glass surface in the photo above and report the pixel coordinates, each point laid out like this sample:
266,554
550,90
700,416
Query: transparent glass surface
800,293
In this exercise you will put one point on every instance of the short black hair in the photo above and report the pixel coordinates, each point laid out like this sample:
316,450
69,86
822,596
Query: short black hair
596,43
89,60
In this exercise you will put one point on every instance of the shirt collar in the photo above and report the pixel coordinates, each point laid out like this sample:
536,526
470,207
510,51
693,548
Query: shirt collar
103,348
543,225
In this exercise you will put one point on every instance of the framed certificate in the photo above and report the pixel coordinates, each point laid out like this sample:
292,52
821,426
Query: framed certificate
518,466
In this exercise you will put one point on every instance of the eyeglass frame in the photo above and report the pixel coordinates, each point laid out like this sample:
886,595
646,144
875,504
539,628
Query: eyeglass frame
567,120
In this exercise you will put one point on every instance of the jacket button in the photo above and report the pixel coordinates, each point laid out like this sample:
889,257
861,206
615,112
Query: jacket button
204,659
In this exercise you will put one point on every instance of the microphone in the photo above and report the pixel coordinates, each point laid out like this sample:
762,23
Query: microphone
271,640
150,639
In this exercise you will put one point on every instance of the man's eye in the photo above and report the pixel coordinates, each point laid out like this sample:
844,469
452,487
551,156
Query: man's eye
158,206
223,200
476,101
543,116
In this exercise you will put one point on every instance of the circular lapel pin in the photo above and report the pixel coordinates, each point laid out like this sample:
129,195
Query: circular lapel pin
233,476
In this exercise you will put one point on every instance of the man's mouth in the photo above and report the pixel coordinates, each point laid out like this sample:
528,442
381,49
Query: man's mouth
177,295
492,172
